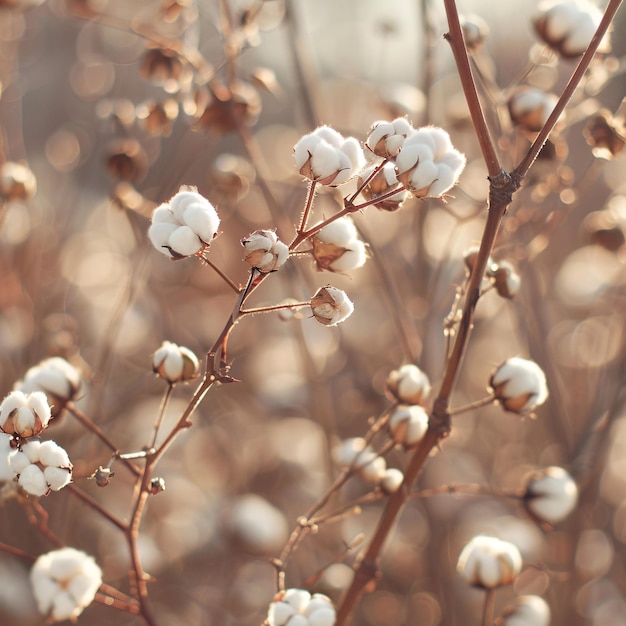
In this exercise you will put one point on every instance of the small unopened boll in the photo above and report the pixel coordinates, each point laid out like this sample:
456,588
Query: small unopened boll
606,134
185,225
57,378
471,255
384,181
392,480
297,607
489,562
528,610
530,107
331,306
428,165
568,26
408,384
41,467
175,363
264,251
17,181
551,495
519,385
337,247
505,279
64,582
327,157
408,425
23,414
385,139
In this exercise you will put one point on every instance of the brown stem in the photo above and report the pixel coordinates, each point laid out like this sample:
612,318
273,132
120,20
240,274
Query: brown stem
220,273
162,409
488,607
94,428
472,405
310,196
457,43
96,506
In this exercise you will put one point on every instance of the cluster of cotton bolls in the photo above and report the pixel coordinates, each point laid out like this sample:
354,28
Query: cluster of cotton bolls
37,467
63,581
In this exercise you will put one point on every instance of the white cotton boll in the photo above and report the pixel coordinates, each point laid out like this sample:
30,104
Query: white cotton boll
331,306
31,450
159,234
340,232
318,601
163,215
63,607
12,402
424,175
182,200
324,616
352,258
579,38
551,495
347,450
392,481
54,376
326,160
379,130
38,402
562,18
24,421
408,424
33,481
411,155
489,562
280,613
297,598
57,477
408,384
203,220
51,453
402,126
445,180
281,251
45,590
330,135
352,149
173,364
85,583
439,140
519,385
184,241
18,462
304,149
529,610
374,470
64,582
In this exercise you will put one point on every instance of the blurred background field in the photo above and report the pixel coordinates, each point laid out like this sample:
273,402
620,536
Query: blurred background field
111,129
